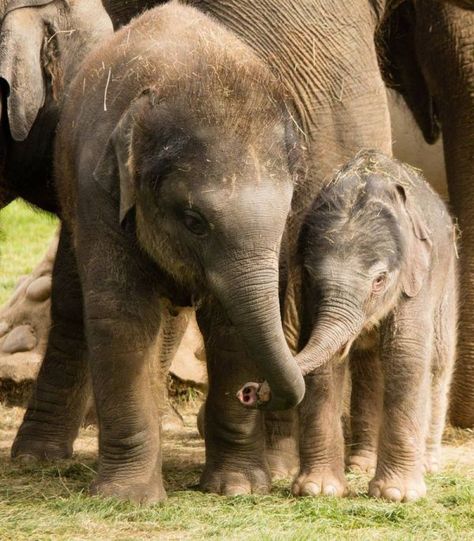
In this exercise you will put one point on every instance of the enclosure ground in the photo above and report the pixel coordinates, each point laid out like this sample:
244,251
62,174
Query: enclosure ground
51,502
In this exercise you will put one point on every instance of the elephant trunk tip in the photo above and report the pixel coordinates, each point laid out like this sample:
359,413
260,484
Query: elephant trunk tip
259,396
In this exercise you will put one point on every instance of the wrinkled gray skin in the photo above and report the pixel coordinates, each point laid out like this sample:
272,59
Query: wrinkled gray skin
428,57
379,257
341,109
339,102
41,48
176,161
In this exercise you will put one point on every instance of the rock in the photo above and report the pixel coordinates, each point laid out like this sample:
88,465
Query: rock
40,289
21,338
20,367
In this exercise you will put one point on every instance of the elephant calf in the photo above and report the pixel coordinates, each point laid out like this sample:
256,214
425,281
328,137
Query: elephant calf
379,259
380,264
175,163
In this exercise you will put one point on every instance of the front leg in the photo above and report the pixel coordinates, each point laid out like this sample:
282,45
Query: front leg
366,403
321,437
122,316
407,338
234,436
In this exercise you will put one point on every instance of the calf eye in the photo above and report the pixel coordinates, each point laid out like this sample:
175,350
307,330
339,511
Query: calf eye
195,223
378,284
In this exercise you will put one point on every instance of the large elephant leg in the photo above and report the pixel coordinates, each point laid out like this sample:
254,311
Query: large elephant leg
445,40
235,446
321,437
366,405
57,407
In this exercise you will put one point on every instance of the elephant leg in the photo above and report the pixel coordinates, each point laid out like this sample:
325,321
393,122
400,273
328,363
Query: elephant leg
122,314
366,407
406,359
62,389
281,443
321,437
234,437
441,372
445,35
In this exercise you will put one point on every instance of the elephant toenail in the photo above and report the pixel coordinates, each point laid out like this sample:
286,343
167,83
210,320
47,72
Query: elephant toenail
411,495
393,494
330,490
311,489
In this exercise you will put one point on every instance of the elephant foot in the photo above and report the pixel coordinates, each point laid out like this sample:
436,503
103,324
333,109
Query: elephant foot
324,481
26,449
282,464
147,492
394,488
362,462
235,480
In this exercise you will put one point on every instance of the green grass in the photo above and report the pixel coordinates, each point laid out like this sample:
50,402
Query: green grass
24,234
51,502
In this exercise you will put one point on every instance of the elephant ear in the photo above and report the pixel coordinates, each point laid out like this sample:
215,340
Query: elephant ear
116,162
418,256
21,41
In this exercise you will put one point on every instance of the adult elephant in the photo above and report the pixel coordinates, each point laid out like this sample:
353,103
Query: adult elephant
42,43
429,45
324,53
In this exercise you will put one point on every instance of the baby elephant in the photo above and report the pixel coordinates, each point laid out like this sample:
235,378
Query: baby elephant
379,259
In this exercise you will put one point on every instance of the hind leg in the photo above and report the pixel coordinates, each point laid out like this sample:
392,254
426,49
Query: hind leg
441,373
62,389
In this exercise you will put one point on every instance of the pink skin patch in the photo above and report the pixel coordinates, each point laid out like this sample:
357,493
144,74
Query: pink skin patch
252,394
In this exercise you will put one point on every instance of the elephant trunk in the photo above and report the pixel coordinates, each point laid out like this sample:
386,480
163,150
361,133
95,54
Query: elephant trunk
335,329
248,290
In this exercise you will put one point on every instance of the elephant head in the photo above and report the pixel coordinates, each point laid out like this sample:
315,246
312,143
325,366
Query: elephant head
207,162
41,45
363,244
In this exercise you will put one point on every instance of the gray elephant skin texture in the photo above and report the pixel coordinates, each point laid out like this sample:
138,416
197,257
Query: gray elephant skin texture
380,279
175,171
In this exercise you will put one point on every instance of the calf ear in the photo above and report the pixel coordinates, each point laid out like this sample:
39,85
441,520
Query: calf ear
418,256
21,41
116,162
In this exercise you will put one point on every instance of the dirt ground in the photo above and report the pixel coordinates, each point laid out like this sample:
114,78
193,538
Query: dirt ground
50,501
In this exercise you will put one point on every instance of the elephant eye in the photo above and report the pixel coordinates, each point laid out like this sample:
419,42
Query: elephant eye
378,284
195,223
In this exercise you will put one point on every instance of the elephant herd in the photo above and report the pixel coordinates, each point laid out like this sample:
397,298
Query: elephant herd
192,156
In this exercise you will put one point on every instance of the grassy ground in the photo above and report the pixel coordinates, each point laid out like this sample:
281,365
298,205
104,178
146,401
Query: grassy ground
24,236
51,502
